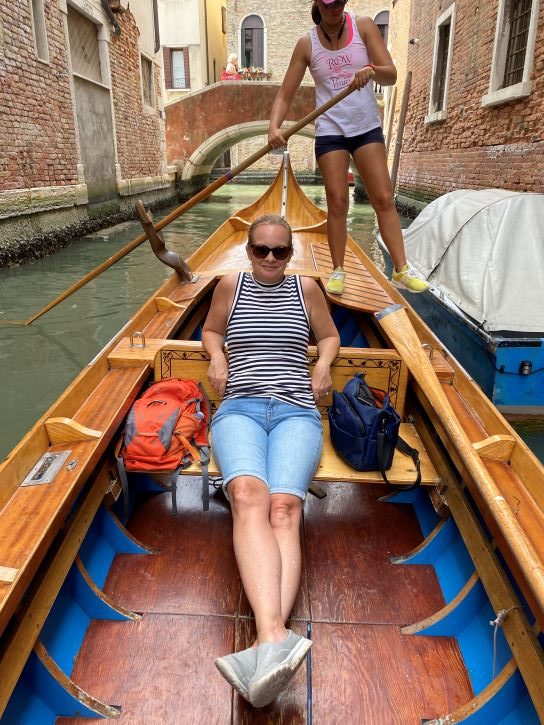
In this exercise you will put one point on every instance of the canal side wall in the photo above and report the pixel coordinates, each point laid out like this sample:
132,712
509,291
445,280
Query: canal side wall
81,122
485,136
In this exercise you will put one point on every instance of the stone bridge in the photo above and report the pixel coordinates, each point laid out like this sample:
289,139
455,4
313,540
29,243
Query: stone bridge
203,125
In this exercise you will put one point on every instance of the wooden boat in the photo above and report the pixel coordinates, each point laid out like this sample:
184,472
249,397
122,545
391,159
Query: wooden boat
485,305
107,615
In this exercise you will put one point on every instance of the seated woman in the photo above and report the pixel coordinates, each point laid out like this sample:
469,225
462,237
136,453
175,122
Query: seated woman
231,71
267,438
232,63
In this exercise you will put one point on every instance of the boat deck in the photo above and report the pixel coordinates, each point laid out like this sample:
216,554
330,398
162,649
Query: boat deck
352,602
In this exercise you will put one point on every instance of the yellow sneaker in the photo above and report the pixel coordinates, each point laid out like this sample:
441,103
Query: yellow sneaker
408,278
336,282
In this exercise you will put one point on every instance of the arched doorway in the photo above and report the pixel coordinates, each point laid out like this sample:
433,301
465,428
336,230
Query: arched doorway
252,42
382,21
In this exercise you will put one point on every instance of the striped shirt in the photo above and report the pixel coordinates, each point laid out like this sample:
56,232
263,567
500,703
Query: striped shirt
267,339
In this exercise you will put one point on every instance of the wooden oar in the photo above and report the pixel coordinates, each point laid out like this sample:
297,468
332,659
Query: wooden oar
397,326
203,194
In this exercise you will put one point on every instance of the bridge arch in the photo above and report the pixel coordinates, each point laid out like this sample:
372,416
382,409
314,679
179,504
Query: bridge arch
201,125
203,158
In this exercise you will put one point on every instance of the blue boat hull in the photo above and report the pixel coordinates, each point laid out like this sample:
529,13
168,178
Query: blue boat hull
493,360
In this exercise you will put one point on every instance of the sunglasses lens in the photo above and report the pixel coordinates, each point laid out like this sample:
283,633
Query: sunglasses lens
261,251
281,252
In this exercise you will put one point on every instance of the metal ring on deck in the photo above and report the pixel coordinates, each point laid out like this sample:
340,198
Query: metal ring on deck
426,346
141,337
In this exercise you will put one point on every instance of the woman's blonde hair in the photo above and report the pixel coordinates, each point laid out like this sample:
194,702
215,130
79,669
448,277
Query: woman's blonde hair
274,219
232,58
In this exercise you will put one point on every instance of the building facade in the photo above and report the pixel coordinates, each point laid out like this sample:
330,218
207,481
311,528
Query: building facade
194,44
264,35
476,99
81,116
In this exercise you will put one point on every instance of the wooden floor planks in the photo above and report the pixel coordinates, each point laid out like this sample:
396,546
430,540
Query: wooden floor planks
161,670
350,577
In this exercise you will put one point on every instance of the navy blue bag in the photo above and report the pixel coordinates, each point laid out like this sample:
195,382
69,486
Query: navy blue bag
364,429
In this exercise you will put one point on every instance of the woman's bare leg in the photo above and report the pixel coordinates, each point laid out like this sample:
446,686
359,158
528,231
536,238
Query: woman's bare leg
371,163
334,169
285,515
258,555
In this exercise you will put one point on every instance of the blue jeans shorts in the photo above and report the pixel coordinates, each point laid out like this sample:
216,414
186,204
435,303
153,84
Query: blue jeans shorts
323,144
277,442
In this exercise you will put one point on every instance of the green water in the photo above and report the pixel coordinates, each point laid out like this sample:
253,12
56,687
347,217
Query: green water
38,362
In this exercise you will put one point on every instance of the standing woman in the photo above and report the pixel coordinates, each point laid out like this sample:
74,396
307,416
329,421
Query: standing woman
267,439
343,50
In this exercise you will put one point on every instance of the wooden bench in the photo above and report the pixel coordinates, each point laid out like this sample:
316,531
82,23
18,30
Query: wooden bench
384,369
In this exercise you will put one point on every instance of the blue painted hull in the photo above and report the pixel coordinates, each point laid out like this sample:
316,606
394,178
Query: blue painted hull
493,360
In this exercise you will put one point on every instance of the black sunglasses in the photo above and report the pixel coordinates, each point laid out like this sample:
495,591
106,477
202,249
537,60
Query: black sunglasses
261,251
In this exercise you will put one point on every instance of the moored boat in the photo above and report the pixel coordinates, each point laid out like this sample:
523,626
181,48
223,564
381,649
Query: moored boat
107,614
482,253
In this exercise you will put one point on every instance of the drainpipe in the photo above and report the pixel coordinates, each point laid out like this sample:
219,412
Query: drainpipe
207,52
111,17
156,26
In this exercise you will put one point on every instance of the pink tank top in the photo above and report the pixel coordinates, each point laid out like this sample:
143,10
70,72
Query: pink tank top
332,71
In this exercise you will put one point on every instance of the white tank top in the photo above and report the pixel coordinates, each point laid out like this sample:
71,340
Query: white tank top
332,71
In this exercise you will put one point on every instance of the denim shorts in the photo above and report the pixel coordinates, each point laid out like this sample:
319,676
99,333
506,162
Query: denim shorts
277,442
323,144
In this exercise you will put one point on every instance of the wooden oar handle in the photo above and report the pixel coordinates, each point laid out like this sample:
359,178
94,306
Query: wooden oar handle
203,194
396,324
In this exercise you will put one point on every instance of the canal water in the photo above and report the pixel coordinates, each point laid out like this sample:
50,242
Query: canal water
38,362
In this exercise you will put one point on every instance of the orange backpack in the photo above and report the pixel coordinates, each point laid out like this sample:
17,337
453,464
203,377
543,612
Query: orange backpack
166,430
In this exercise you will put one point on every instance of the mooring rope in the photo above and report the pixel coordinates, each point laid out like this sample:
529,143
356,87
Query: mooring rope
496,623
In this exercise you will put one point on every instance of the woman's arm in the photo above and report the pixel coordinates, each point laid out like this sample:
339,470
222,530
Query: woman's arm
292,80
326,334
383,71
213,332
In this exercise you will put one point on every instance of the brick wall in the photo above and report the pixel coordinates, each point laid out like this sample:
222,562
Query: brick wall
474,147
37,134
138,128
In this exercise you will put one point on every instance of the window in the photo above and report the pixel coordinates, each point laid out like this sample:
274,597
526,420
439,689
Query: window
147,81
38,27
382,21
513,51
443,49
176,68
252,42
224,19
517,42
84,53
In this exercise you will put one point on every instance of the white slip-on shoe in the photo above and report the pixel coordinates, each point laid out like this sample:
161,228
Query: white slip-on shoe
277,662
238,669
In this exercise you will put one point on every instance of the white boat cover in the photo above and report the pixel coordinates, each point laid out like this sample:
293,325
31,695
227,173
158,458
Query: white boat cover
484,249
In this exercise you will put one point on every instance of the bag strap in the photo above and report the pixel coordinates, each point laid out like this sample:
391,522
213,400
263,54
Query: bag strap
204,460
384,451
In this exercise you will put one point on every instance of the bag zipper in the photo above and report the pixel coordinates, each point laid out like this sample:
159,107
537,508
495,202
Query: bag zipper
356,414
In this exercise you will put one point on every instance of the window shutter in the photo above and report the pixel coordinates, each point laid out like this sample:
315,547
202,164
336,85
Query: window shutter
186,62
167,61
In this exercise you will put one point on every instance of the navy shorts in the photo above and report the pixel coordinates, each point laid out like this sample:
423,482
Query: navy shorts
324,144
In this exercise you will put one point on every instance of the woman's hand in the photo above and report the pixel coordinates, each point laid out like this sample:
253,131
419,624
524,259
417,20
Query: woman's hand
275,139
363,76
218,372
321,380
